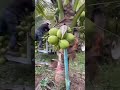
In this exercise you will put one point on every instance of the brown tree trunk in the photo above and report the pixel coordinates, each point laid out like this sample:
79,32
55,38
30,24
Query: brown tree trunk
59,73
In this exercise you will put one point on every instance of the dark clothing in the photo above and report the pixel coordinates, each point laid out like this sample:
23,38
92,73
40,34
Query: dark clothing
39,33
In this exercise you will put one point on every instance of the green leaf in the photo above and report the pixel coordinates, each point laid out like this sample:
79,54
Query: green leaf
76,17
40,9
75,5
44,82
61,11
45,9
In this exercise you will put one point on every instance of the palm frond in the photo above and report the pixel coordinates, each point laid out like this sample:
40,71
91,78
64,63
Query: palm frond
45,9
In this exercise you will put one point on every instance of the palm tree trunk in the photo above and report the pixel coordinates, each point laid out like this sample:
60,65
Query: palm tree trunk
60,73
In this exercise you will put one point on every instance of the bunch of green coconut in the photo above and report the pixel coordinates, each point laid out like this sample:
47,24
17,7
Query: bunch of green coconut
59,40
26,28
3,48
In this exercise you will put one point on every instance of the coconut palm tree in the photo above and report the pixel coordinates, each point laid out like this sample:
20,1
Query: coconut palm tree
62,12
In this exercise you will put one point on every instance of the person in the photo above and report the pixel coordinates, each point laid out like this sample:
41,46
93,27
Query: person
11,18
39,33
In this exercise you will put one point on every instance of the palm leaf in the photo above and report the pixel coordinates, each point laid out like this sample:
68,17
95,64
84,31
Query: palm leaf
45,9
61,11
76,17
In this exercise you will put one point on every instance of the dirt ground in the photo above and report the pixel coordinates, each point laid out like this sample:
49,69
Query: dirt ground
44,74
77,81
